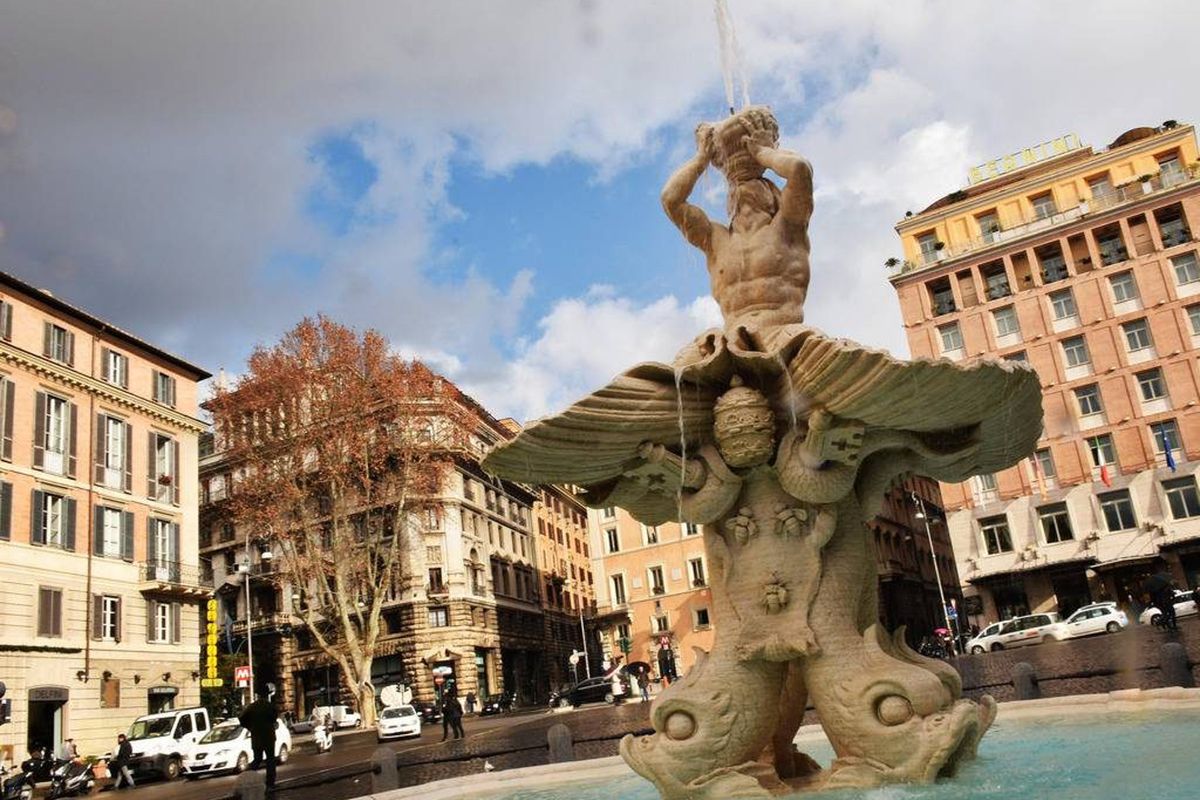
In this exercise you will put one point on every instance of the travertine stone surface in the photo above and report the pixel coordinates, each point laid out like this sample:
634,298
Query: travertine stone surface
781,442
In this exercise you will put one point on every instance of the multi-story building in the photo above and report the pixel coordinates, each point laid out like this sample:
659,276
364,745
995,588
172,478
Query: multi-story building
99,583
567,583
1082,264
468,610
652,582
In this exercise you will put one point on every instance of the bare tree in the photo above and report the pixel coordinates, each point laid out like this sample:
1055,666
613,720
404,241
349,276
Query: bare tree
338,448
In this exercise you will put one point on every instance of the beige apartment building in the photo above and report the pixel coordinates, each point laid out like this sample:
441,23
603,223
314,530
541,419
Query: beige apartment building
99,581
1083,264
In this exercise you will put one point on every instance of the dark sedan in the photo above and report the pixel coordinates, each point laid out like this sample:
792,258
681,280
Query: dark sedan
430,713
591,690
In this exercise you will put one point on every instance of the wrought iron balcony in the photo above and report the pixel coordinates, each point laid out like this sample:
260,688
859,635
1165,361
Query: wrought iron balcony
172,578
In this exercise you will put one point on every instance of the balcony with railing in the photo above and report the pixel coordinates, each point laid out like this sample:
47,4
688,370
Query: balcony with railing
1118,196
173,578
265,622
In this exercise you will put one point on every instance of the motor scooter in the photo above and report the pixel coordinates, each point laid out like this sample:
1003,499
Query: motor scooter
71,779
39,765
323,736
15,787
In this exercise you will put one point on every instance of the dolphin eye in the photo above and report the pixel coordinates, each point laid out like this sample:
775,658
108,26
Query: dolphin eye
680,725
894,710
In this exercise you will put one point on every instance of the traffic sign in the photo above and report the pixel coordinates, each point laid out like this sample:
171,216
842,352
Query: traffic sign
211,683
241,676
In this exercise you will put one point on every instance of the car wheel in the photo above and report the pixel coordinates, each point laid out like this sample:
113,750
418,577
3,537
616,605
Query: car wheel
564,702
1156,619
996,646
171,770
283,754
242,763
1112,627
977,649
609,698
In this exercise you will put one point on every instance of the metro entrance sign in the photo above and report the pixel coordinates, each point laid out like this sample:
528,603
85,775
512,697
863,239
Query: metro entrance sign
241,677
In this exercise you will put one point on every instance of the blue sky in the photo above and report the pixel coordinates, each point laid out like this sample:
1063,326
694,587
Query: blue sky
480,181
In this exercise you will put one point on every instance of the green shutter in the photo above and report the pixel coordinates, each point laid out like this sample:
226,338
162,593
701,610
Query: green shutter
98,531
39,430
127,535
5,510
69,527
36,534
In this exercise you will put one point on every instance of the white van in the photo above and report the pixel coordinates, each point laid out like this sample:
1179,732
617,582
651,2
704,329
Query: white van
342,716
160,741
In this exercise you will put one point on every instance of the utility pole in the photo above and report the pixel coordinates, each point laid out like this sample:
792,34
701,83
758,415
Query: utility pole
937,573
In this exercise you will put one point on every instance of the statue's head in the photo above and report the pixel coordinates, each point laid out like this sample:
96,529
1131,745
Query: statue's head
729,153
744,425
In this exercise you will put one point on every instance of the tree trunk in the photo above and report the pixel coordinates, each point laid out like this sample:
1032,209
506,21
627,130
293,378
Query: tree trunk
366,693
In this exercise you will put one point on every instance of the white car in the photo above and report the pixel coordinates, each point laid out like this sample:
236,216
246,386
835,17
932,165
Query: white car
1184,606
342,716
1018,631
227,748
398,721
1090,619
986,639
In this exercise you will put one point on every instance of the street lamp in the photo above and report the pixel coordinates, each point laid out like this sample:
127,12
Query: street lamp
245,567
587,661
937,573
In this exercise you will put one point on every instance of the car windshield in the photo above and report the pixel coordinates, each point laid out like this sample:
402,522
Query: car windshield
149,728
395,713
222,733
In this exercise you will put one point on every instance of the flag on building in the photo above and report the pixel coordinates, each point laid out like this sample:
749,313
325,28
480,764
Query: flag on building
1170,458
1104,478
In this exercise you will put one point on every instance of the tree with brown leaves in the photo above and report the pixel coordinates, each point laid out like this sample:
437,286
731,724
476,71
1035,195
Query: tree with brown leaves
338,448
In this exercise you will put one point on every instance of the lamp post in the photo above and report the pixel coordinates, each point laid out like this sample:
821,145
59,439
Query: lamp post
937,573
245,569
587,661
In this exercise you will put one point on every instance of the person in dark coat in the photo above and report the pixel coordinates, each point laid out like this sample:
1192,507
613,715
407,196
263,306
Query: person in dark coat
118,766
260,719
452,713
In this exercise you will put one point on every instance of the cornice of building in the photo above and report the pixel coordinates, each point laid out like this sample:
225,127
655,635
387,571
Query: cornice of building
52,370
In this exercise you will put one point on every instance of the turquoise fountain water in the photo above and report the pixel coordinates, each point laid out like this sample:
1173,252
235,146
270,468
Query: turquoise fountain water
1111,757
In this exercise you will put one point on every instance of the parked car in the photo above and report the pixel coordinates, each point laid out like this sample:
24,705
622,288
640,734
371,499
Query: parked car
430,713
1029,629
159,741
1091,619
342,716
398,721
496,704
304,725
1184,606
591,690
226,748
986,639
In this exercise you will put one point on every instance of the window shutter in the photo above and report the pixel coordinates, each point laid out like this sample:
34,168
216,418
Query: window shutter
39,430
175,471
8,399
5,510
127,535
124,372
45,603
70,354
6,312
128,485
56,600
36,534
175,559
97,616
69,532
154,386
98,531
176,620
72,425
151,619
100,449
151,466
171,386
151,545
104,351
120,620
47,339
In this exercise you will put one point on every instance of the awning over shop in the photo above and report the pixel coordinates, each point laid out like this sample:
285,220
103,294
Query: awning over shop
1190,543
1121,563
1026,568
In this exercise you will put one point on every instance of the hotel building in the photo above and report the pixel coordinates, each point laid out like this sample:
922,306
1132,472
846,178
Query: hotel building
1082,264
99,581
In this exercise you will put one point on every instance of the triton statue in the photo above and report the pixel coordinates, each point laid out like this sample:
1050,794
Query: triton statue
781,443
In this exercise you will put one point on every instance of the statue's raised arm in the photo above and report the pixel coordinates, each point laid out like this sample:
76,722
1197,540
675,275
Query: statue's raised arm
691,220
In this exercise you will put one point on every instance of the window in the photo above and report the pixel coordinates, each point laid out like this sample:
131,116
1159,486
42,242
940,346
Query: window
613,540
58,344
1056,523
162,478
618,590
701,618
609,512
1019,357
696,570
1045,462
114,533
435,581
996,536
116,367
164,388
951,337
1117,508
660,623
108,617
1124,288
987,482
1182,497
1063,304
1075,352
1194,318
1043,206
53,520
1137,335
54,433
989,225
113,457
996,280
1169,164
1101,449
1088,398
1054,266
1150,383
927,243
657,584
49,620
439,617
1166,436
1100,186
1006,321
690,529
1186,268
649,534
162,622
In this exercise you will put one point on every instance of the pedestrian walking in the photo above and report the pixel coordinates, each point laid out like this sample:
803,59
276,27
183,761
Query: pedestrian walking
470,702
260,718
118,767
451,717
644,685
